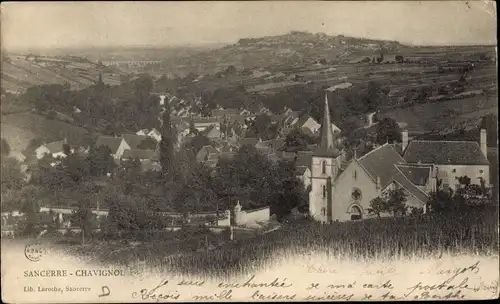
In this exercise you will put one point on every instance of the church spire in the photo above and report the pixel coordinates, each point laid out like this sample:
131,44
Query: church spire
326,135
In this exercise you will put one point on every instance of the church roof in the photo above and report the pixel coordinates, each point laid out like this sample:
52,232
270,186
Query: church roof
445,152
328,146
385,163
380,162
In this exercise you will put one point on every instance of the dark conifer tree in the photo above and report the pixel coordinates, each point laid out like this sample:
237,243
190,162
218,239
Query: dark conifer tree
167,143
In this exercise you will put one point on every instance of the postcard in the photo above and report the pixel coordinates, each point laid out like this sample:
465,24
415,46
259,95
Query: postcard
249,151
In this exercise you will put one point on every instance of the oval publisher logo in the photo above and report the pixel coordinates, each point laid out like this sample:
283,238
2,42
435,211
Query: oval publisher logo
34,251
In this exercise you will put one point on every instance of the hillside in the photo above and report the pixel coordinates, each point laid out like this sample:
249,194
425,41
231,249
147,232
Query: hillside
21,72
20,128
295,48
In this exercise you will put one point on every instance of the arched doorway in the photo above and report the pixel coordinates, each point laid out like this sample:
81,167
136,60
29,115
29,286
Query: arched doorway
356,213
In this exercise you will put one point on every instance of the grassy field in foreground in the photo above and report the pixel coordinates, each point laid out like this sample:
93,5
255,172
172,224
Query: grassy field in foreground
384,239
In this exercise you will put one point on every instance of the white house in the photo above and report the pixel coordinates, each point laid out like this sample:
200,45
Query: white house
55,149
143,132
450,159
304,174
154,134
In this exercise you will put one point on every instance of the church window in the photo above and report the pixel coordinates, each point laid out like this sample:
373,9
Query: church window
454,170
481,171
356,194
355,174
324,191
323,167
323,211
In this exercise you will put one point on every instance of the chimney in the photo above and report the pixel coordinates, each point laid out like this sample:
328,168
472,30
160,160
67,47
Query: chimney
434,179
484,145
404,139
378,182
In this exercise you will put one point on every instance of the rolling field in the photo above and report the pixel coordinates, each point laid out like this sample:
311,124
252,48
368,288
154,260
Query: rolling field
18,73
439,115
18,129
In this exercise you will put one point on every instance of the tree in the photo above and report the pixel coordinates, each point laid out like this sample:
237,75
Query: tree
66,149
76,167
377,206
167,143
82,217
197,143
297,140
388,131
192,128
100,161
440,202
196,193
396,199
262,127
392,202
289,192
5,148
11,176
27,199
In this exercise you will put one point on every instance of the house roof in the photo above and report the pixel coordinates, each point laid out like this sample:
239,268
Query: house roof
276,118
204,120
248,141
213,155
303,119
134,140
418,175
204,152
156,155
138,153
211,163
307,132
227,155
56,146
277,143
211,132
225,112
444,153
404,182
300,170
264,149
304,158
109,141
239,118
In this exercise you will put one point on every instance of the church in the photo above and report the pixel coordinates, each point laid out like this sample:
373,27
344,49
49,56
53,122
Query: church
339,194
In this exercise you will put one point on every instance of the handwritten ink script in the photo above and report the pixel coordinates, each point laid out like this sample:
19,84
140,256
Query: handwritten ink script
434,283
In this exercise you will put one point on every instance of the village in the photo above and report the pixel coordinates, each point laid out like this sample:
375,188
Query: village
339,187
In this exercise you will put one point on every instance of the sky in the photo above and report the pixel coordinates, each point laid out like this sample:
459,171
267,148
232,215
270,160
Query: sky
97,24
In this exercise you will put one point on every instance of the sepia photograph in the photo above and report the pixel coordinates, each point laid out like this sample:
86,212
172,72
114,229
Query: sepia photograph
249,151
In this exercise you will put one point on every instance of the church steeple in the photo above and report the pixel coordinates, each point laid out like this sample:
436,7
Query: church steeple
327,143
